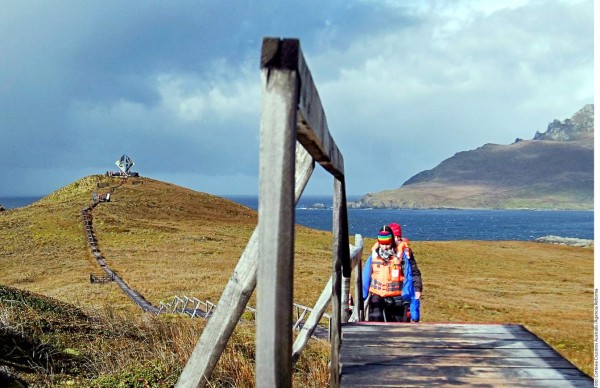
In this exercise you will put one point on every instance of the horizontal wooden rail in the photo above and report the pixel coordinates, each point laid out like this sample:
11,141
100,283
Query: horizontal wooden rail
311,125
196,308
101,278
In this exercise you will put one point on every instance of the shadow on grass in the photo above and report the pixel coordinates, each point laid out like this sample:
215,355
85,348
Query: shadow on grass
21,354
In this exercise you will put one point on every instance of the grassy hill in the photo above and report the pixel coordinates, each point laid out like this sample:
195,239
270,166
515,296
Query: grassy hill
162,239
46,342
553,171
165,240
530,174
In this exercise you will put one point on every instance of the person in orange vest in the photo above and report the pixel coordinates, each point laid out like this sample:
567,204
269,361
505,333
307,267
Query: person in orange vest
392,281
415,295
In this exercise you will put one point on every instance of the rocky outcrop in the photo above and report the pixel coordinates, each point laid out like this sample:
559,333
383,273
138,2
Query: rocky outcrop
578,127
2,208
576,242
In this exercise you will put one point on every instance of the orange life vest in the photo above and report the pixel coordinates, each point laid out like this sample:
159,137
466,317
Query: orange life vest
402,245
387,277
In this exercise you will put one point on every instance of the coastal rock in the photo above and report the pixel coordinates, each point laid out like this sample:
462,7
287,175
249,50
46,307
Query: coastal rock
580,125
2,208
354,204
576,242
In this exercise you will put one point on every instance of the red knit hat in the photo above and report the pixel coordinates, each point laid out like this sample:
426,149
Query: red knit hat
396,229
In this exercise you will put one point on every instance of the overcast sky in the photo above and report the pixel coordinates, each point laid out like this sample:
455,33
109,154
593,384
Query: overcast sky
176,85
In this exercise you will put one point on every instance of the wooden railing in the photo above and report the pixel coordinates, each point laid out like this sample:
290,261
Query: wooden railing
101,278
293,135
318,311
197,308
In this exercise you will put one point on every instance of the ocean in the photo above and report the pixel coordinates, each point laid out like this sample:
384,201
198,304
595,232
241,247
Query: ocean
445,225
14,202
427,225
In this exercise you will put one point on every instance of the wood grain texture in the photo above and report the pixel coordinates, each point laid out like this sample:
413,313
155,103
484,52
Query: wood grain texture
291,111
235,297
282,54
312,129
451,354
276,213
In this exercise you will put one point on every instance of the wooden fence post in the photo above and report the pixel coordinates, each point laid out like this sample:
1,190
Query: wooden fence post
322,303
358,291
234,298
290,110
276,220
341,266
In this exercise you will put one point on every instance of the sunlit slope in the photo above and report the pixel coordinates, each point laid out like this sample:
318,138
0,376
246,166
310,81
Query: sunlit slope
555,170
165,240
162,239
524,175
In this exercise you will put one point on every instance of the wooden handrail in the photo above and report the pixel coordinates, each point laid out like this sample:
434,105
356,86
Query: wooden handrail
292,123
291,109
319,309
234,298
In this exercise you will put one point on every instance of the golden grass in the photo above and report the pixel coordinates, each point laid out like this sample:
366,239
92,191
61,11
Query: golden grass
45,342
547,288
164,240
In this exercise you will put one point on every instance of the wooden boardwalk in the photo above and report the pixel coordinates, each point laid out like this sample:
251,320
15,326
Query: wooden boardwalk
93,244
427,354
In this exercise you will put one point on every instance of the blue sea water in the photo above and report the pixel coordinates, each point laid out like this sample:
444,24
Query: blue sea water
423,225
15,202
445,225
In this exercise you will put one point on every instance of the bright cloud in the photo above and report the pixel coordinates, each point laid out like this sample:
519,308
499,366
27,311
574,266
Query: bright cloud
211,97
177,87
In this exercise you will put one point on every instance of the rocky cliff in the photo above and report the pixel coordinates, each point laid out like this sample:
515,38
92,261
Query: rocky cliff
554,170
578,127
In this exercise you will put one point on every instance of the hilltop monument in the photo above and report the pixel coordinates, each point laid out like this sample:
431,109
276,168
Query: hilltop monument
124,163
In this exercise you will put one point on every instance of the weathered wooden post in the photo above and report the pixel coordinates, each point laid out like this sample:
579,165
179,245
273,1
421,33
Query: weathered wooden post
235,297
358,291
341,268
291,110
276,213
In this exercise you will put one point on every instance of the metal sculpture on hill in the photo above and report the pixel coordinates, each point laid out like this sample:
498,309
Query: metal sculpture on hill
124,163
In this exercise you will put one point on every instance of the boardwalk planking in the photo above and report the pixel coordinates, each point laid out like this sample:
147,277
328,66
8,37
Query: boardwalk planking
452,354
92,242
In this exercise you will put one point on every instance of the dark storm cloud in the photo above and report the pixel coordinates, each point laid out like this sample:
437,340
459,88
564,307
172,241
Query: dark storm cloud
80,79
176,85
